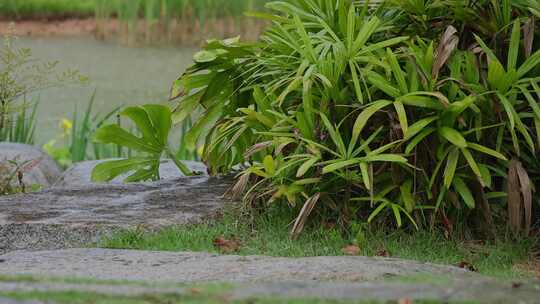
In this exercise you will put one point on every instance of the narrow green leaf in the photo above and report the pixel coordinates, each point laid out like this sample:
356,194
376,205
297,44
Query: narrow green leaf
397,215
306,166
339,165
451,165
453,136
486,150
356,82
366,177
463,191
385,158
473,165
397,71
378,210
402,116
419,126
334,134
363,118
513,51
416,140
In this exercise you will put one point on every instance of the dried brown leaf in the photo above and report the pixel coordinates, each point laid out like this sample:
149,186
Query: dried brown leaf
351,250
528,39
226,245
467,265
519,198
239,187
447,45
526,195
301,220
256,148
515,215
382,252
405,301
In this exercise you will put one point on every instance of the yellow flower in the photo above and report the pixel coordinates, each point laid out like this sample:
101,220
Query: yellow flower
66,125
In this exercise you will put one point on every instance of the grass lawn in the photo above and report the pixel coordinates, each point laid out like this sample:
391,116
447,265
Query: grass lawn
198,293
196,297
269,236
46,8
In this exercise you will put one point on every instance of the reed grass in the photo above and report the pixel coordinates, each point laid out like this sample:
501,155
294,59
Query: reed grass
20,126
38,9
180,21
148,21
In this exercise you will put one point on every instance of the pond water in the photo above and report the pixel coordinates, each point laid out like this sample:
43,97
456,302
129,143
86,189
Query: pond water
120,75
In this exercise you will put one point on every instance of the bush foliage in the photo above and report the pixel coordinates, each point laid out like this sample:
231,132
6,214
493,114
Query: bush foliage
405,112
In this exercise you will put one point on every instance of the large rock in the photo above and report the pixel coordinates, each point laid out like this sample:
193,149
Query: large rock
73,216
43,170
81,173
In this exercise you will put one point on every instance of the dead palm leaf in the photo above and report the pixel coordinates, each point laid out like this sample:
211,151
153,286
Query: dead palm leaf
519,198
301,220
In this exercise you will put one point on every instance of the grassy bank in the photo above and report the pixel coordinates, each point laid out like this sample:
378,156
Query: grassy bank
178,21
268,235
37,9
201,9
195,298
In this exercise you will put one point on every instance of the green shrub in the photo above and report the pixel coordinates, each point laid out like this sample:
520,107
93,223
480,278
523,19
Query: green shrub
417,113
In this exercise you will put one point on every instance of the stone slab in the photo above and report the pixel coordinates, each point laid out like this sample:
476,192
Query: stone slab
63,217
328,278
189,267
474,290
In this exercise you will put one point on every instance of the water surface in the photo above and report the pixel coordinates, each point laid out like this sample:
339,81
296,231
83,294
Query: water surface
120,75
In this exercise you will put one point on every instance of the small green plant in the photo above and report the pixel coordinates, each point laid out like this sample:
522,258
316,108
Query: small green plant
11,176
154,123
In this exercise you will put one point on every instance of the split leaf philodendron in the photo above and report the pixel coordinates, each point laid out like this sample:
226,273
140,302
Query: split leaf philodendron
154,123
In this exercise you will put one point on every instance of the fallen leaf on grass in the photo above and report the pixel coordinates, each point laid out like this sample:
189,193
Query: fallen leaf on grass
405,301
225,245
517,285
351,250
382,253
467,265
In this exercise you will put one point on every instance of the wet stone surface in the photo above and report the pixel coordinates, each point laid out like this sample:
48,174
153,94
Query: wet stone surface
63,217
